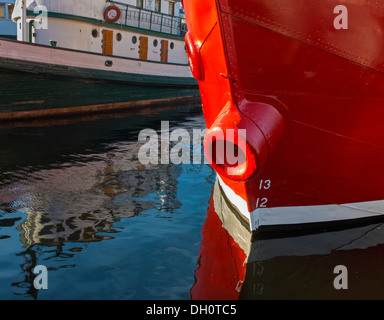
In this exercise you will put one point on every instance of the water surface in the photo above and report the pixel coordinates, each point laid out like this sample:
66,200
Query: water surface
75,199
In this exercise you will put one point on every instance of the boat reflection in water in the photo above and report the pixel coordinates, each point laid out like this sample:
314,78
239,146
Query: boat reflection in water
77,203
89,209
66,188
234,264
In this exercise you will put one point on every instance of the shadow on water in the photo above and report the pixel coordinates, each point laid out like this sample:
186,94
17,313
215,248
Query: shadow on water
234,264
65,187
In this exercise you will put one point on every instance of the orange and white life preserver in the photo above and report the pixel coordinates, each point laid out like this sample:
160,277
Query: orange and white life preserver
112,13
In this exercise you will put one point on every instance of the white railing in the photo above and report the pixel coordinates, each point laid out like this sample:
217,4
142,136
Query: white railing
150,20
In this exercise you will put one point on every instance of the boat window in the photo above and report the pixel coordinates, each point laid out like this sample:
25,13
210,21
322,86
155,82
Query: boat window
157,5
11,6
95,33
139,3
172,45
134,39
2,10
171,8
119,36
155,42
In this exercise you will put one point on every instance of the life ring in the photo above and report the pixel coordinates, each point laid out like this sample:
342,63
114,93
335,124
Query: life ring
194,57
114,17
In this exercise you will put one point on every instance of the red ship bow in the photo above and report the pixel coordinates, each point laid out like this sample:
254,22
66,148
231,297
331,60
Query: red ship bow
304,79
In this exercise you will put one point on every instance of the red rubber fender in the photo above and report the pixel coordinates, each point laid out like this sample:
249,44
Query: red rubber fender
194,57
251,143
109,9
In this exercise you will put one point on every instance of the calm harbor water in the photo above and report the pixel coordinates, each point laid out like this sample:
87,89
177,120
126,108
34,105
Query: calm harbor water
75,198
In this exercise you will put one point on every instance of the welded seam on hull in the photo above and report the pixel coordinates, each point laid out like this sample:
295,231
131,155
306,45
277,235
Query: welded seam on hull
321,45
338,134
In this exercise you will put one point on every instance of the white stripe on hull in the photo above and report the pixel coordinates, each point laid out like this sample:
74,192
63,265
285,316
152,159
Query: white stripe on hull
303,214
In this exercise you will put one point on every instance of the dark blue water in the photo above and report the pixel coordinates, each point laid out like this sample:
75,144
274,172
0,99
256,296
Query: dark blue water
75,198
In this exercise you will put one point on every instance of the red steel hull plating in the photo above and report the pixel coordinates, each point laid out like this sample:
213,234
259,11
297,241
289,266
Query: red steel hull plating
326,87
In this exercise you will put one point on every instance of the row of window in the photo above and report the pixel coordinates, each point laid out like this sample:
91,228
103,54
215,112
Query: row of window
6,10
119,37
171,6
155,42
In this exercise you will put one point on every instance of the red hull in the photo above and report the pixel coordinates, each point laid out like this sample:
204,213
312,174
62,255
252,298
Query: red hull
313,93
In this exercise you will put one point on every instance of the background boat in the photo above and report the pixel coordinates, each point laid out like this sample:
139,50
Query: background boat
7,26
72,58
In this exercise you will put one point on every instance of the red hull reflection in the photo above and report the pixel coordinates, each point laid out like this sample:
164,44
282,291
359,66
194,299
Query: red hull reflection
221,265
234,265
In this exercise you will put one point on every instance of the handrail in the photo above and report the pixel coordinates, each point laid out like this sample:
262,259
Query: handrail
150,20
